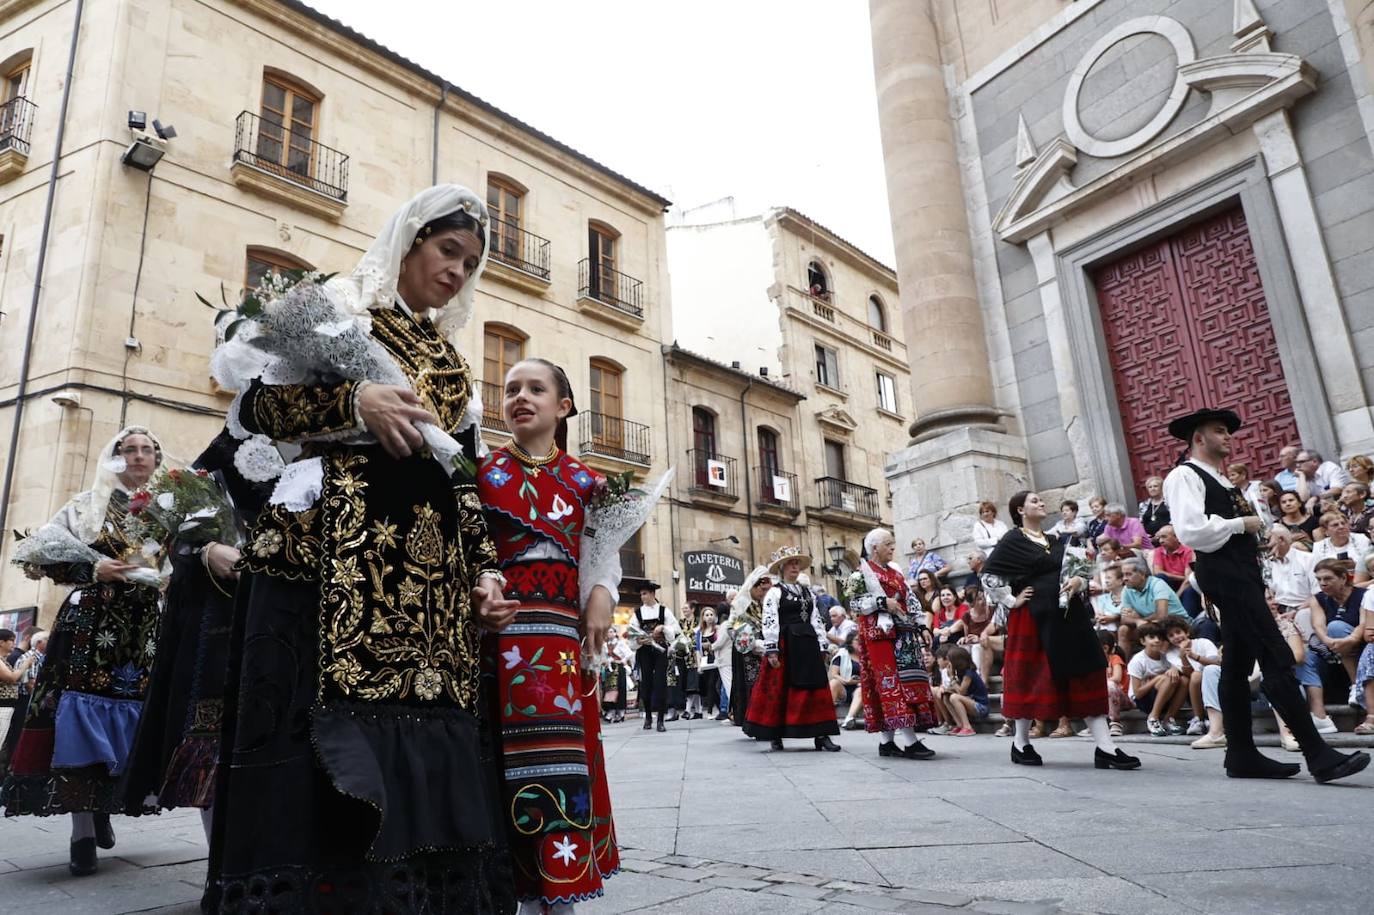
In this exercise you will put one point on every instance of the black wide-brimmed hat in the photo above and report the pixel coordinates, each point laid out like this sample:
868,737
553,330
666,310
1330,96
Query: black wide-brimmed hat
647,586
1184,426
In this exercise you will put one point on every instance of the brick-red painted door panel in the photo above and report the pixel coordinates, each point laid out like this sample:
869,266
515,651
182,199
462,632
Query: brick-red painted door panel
1187,325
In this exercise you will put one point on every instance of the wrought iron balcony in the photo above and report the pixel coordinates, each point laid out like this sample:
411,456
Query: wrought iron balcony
290,155
834,494
772,494
613,437
493,419
713,474
515,247
620,291
16,122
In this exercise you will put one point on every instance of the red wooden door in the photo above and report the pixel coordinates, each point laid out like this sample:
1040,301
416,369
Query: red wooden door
1186,326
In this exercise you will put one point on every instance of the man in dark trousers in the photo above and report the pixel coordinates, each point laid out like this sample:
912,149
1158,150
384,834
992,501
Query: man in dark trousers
1216,520
660,628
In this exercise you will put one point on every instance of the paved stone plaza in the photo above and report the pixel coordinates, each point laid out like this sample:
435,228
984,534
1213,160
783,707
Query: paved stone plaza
715,824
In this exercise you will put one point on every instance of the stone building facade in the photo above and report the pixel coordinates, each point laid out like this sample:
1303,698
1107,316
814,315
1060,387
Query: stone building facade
1108,212
296,139
775,303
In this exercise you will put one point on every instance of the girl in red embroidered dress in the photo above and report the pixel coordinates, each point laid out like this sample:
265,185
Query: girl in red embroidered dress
894,680
558,809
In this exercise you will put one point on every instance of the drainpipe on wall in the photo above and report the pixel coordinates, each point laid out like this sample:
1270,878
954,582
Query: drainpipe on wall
434,151
13,457
748,491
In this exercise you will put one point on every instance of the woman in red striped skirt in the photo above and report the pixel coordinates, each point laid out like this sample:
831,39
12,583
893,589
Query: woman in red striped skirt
1053,665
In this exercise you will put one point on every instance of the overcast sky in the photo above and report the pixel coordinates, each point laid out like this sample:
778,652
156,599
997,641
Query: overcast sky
768,101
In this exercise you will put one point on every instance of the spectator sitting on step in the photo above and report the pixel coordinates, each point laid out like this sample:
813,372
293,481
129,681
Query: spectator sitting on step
1238,473
1109,552
1297,520
1129,532
1200,659
927,593
1340,543
1146,598
1153,511
841,627
1267,501
1107,608
1361,469
1357,507
1097,522
1317,478
988,529
1157,688
966,700
1287,475
1069,527
975,560
1172,561
970,630
1297,644
1337,631
924,560
948,611
1289,571
844,671
1364,671
1118,682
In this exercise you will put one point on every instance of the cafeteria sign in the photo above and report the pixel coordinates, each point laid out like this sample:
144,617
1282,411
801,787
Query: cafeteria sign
711,574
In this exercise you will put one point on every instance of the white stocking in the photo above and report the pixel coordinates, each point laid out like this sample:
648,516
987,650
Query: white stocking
1020,737
83,826
532,907
887,736
1097,726
561,908
908,736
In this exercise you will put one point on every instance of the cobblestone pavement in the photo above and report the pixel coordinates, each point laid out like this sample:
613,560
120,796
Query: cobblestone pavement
713,823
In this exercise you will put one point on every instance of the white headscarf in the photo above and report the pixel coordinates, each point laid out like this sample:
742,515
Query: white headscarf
85,513
742,599
372,284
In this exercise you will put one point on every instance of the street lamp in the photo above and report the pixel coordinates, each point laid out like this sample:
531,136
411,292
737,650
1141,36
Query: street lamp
839,566
730,537
146,150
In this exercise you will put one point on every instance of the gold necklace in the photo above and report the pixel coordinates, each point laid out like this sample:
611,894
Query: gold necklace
1040,540
529,460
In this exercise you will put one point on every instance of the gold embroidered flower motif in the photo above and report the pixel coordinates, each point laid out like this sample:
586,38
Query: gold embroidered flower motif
346,572
411,593
567,662
428,683
384,534
350,485
424,543
267,543
346,671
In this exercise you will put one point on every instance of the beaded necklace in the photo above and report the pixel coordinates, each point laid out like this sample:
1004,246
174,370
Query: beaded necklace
529,460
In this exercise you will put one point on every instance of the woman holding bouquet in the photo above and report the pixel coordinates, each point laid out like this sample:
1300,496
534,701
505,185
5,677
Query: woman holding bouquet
894,680
85,707
746,633
792,697
538,502
360,773
1053,664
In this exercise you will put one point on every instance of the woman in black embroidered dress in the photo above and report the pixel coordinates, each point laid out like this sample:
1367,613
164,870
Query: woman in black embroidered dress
360,770
85,707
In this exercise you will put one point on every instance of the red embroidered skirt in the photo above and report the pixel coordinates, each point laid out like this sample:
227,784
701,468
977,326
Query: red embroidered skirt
889,701
1030,690
779,710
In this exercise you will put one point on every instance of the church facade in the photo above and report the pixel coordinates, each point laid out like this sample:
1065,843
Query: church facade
1119,210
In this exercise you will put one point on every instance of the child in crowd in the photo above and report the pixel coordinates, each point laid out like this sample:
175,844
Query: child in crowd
966,700
940,672
1157,689
1200,660
1118,681
1107,610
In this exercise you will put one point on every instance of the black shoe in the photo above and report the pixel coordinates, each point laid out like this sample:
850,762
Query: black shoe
889,749
918,750
722,717
1256,765
1117,760
648,720
776,745
104,832
1026,757
825,743
659,727
1352,763
83,861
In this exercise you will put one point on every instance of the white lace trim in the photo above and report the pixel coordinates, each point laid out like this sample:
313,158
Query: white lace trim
607,530
258,460
300,485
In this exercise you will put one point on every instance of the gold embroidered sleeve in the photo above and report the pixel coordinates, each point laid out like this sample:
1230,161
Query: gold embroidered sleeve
479,553
288,412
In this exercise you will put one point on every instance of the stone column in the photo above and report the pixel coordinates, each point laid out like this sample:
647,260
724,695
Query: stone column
950,378
959,452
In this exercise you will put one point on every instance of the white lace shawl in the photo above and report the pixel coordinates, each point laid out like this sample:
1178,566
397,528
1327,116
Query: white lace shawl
608,529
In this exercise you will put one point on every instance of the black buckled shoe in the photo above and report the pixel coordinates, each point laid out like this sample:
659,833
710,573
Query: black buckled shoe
1256,765
825,743
104,832
1349,765
1026,757
889,749
918,750
1117,760
83,860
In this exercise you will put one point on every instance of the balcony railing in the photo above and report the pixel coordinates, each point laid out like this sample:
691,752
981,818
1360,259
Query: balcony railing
610,286
611,436
775,494
290,155
842,495
631,563
493,419
518,248
823,311
882,340
713,474
16,121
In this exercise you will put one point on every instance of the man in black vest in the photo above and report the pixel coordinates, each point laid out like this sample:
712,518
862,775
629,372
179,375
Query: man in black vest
1215,519
660,627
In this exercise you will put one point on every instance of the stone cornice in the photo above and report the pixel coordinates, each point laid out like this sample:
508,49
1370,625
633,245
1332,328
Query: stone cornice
802,226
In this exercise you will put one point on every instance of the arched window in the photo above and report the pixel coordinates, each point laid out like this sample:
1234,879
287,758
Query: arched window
261,262
504,199
16,72
877,314
289,118
502,347
817,281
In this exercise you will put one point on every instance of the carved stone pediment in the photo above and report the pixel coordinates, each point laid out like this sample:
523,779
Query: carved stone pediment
836,419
